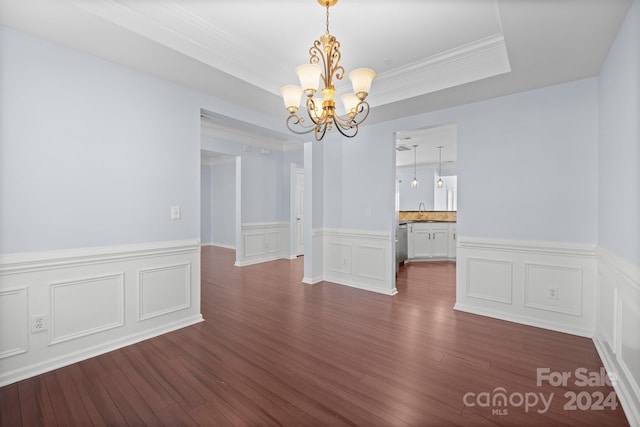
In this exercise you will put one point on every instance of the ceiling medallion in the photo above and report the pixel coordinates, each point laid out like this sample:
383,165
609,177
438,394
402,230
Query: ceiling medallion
324,64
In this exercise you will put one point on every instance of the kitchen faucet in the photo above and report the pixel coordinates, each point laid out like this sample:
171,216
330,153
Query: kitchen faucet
421,208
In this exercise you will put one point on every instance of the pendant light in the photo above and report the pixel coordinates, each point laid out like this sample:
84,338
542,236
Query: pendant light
414,183
440,181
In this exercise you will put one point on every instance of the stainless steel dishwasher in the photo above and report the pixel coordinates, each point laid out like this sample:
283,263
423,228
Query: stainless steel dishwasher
401,244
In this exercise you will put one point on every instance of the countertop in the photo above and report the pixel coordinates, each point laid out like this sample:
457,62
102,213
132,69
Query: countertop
427,216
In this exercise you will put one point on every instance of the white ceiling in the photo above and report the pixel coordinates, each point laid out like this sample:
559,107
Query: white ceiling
429,54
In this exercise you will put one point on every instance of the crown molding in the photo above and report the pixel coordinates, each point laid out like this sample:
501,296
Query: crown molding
470,62
195,37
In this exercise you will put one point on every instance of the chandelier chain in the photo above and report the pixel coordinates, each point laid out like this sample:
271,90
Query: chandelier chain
327,17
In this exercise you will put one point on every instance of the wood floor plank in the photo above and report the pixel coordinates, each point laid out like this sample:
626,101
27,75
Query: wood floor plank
10,407
131,405
65,399
36,407
274,351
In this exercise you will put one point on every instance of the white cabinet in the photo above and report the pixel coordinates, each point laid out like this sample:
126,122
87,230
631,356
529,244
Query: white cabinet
429,240
453,242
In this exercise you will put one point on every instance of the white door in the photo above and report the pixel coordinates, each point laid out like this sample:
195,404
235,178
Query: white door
299,213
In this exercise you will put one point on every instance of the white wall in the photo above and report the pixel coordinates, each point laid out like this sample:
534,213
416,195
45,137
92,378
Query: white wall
218,203
223,204
359,178
78,136
262,188
527,164
205,204
619,144
617,334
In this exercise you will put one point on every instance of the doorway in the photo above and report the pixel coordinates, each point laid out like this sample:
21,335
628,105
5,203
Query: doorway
217,199
426,193
299,212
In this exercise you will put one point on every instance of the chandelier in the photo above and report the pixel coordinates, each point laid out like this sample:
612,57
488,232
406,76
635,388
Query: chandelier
324,65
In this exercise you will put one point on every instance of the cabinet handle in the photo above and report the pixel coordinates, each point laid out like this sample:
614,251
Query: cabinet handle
429,236
454,236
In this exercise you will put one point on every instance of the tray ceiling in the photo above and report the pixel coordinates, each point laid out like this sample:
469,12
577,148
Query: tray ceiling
429,54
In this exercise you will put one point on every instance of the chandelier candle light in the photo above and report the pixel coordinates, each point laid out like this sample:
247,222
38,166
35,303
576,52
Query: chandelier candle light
324,64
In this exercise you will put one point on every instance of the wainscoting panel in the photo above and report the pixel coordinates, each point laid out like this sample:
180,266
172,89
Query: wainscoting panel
617,336
544,284
91,300
607,310
359,259
490,280
14,322
339,257
263,242
370,262
164,290
630,341
85,307
554,288
254,244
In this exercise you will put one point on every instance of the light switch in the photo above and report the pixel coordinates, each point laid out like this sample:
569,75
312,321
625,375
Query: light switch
367,211
175,212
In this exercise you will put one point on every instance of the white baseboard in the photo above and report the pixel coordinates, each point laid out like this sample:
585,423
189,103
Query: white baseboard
93,300
629,400
524,320
220,245
363,286
78,356
257,260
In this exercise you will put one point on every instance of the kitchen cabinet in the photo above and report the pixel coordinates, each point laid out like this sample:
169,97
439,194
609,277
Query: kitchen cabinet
429,240
453,242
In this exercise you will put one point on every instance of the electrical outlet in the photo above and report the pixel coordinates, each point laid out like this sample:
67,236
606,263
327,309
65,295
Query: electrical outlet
38,323
552,293
175,212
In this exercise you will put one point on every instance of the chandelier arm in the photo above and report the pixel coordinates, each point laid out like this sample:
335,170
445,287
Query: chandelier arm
311,106
344,121
316,54
337,70
295,120
320,130
361,108
346,129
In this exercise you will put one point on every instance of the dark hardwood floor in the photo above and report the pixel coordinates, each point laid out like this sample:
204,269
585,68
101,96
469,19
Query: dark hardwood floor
274,351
